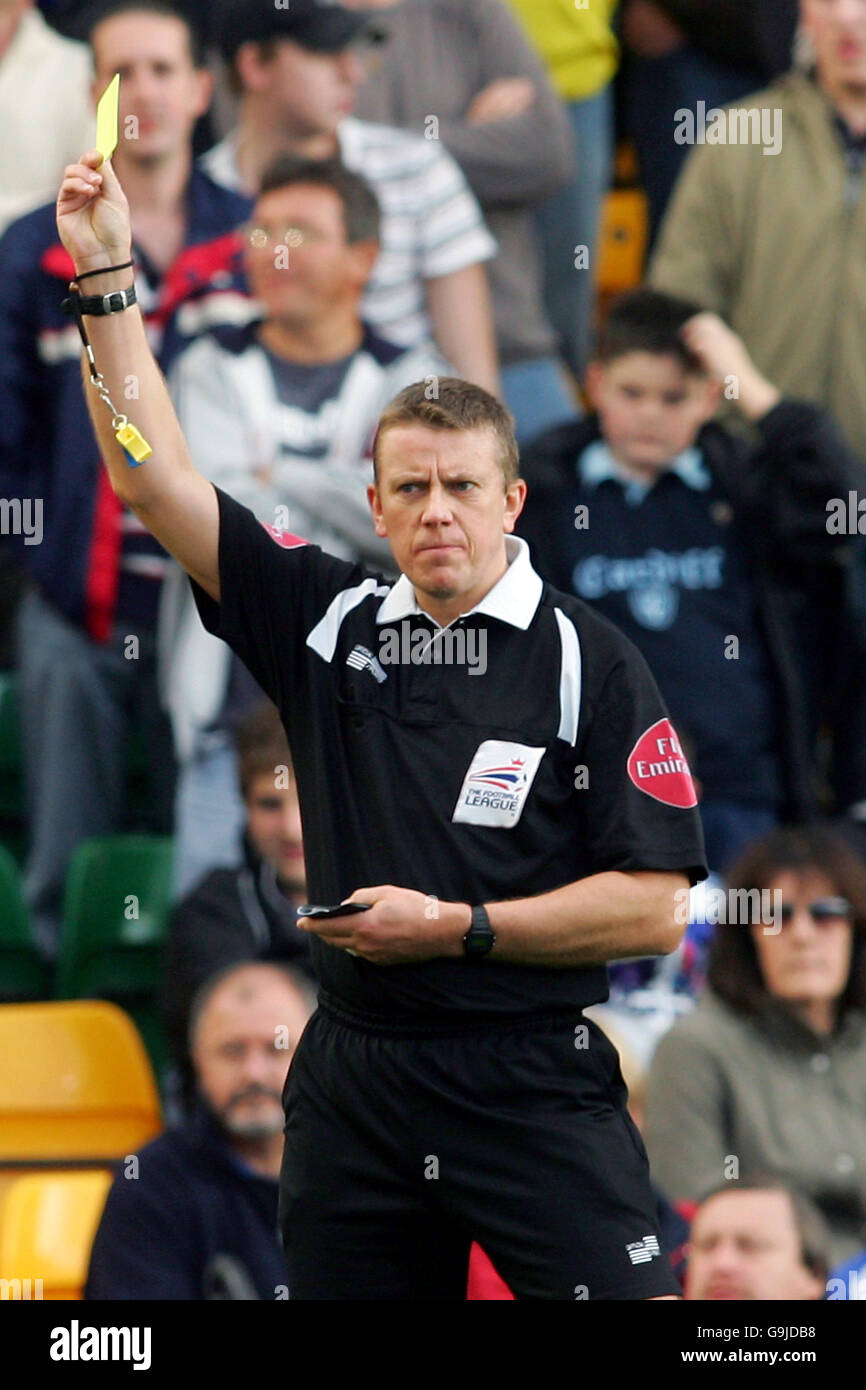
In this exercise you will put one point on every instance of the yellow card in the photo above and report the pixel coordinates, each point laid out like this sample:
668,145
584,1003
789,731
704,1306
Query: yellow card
106,118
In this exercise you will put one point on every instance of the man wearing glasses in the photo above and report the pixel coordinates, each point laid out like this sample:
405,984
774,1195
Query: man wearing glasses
297,71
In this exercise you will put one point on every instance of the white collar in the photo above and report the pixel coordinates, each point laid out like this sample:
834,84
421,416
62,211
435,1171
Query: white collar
597,464
513,599
221,160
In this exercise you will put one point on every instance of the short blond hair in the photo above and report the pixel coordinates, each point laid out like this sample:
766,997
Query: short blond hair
455,405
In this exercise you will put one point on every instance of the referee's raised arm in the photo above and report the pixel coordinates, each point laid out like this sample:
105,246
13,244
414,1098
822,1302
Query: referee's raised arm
175,502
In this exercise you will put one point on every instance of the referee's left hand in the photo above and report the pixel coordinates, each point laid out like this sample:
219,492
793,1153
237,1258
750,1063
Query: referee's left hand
401,926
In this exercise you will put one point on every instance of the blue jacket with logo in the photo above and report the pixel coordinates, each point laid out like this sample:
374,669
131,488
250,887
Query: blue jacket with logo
755,541
48,450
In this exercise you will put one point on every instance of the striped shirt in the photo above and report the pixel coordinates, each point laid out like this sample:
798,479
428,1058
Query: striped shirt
432,224
289,438
294,443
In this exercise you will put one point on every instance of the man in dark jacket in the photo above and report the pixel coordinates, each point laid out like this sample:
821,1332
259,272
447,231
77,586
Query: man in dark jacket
714,557
248,912
194,1215
681,52
755,35
86,643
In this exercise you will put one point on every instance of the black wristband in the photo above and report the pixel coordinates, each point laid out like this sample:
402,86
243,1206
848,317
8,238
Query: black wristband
106,270
98,305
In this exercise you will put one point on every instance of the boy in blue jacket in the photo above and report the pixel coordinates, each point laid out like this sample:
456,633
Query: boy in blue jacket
711,551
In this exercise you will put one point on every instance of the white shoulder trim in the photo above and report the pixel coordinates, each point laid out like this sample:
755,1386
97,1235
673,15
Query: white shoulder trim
569,678
323,637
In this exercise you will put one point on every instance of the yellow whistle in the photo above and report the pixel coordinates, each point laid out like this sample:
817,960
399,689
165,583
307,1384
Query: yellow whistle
134,443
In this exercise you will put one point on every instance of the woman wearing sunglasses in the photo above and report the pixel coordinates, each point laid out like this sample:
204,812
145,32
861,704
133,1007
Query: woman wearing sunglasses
768,1072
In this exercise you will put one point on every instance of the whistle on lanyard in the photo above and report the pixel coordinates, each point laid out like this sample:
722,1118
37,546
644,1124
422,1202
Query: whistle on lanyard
134,444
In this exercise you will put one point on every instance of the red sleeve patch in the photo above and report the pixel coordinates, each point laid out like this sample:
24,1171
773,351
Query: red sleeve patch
284,538
657,765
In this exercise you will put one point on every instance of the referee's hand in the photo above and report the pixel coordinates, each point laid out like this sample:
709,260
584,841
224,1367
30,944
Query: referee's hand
401,926
93,214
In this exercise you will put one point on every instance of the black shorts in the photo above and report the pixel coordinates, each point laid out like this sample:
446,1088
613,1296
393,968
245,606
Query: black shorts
402,1150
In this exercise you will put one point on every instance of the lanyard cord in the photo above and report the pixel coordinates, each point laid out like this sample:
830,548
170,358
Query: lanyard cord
133,443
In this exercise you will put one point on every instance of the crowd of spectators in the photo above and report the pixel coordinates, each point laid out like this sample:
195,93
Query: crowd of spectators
328,203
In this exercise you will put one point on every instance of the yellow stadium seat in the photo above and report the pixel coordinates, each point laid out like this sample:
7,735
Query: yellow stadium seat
47,1225
75,1085
622,241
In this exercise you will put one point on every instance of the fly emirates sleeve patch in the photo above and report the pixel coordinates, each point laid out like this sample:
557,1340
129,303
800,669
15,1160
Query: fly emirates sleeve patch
657,765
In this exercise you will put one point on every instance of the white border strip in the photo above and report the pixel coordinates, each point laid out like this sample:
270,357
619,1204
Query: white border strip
569,678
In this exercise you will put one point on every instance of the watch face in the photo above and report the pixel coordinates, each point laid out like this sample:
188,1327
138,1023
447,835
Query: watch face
478,942
479,939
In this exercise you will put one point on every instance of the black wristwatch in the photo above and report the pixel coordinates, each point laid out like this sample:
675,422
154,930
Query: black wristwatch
480,937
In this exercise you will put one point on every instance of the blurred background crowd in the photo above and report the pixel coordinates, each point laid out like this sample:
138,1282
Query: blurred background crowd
548,198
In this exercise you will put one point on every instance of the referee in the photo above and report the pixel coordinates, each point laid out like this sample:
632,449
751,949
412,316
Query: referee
488,764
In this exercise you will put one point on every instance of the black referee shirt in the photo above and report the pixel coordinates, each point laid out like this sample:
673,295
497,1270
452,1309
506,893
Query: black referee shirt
553,762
